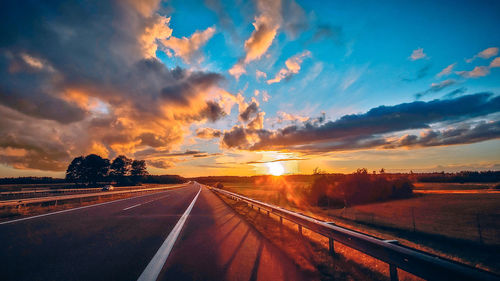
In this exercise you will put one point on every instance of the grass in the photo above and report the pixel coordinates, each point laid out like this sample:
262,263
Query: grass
310,251
445,224
453,186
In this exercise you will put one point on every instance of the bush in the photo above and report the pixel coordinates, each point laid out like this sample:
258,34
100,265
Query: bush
219,185
357,188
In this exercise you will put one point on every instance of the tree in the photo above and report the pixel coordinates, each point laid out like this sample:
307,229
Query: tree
95,168
74,171
120,168
138,170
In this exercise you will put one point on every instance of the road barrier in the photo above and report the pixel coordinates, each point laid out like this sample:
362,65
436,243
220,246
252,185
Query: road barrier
56,199
419,263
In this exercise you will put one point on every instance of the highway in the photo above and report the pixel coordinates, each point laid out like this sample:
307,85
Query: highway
180,234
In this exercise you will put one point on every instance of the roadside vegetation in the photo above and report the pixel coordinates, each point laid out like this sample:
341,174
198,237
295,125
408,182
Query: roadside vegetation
460,226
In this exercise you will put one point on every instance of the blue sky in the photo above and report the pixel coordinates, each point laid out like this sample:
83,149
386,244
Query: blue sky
304,67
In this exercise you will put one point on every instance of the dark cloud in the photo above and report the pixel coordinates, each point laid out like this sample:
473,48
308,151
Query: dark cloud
251,111
421,73
295,19
436,87
455,93
225,20
208,133
213,111
363,130
328,32
278,160
458,135
86,73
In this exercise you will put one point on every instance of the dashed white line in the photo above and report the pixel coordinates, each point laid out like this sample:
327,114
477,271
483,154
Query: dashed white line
79,208
128,208
132,207
156,264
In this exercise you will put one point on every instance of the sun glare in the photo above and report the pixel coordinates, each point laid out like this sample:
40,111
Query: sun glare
275,168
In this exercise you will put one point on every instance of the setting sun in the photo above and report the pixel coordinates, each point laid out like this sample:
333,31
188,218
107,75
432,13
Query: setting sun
275,168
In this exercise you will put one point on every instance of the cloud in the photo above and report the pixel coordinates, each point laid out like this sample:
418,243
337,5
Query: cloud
327,31
418,54
478,71
188,48
436,87
463,134
446,71
481,71
296,21
484,54
495,62
259,74
283,116
266,26
208,133
421,73
258,122
161,164
363,130
292,67
225,20
249,112
455,93
265,96
93,83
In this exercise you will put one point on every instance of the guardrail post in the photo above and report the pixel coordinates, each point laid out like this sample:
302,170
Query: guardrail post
393,272
268,213
281,220
331,247
300,229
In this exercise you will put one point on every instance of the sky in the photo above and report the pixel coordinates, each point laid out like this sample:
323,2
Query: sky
217,87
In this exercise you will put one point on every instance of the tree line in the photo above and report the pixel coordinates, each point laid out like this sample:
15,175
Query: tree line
92,169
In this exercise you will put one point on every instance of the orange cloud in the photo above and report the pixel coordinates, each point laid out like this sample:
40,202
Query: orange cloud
188,48
266,27
292,67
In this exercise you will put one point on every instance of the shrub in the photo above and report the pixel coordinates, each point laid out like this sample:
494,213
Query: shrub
357,188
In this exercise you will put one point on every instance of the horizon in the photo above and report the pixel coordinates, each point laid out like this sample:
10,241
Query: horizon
254,88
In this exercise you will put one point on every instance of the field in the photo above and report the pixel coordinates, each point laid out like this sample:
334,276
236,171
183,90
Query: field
452,186
464,227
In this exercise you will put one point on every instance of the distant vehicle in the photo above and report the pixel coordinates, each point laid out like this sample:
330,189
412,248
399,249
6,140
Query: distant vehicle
108,187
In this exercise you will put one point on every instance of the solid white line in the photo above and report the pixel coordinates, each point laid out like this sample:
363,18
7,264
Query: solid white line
156,264
79,208
132,207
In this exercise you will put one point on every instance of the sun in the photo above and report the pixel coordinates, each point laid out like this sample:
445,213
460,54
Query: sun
275,168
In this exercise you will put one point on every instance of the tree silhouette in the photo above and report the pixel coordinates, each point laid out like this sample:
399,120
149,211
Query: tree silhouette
74,171
138,170
95,168
89,169
120,169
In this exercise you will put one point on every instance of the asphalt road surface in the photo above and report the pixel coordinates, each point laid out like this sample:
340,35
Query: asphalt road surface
180,234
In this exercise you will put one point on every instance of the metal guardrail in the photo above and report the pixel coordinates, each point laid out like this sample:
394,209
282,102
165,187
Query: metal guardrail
419,263
31,201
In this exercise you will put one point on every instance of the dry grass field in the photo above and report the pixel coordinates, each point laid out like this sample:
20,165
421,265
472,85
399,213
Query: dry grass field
463,227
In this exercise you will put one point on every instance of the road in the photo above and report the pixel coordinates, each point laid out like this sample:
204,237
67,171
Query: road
130,239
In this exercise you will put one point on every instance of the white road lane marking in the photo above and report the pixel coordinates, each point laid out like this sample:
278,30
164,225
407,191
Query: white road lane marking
132,207
84,207
156,264
145,203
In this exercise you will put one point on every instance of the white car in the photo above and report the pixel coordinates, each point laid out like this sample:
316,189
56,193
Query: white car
108,187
